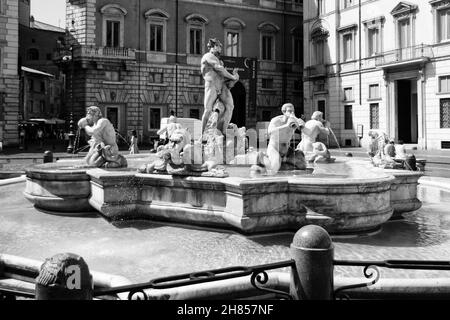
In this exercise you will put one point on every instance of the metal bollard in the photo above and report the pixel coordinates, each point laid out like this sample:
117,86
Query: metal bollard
48,156
64,276
313,252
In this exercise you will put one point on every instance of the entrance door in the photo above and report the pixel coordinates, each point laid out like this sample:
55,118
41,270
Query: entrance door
239,99
407,119
112,113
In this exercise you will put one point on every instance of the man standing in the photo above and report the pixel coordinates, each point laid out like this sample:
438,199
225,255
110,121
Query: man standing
280,130
218,82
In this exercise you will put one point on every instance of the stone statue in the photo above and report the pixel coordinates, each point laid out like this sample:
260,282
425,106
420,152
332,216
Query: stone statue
104,151
218,82
310,131
176,158
279,151
172,125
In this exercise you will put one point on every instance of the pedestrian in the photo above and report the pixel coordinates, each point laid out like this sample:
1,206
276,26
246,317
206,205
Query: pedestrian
134,143
40,137
22,138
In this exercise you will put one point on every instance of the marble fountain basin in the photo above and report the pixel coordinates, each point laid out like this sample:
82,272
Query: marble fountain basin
344,197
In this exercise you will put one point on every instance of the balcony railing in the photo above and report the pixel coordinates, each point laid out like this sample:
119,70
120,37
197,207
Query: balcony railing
319,70
103,52
421,52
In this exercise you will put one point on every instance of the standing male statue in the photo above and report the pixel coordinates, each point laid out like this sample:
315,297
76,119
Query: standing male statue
281,129
218,82
104,150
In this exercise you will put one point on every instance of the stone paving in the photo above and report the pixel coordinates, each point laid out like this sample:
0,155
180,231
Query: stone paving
142,250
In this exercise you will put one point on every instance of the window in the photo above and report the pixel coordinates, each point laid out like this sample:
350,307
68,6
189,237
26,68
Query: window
156,22
2,7
348,117
319,52
232,44
194,113
266,115
33,54
348,94
1,60
156,77
320,7
444,84
374,91
319,86
155,118
113,76
321,107
156,37
373,42
113,16
267,47
112,33
196,33
30,85
445,113
267,83
42,87
195,44
112,114
374,116
196,79
42,106
347,3
268,32
444,25
297,50
347,40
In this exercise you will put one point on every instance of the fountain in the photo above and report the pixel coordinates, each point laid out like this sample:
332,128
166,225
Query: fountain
193,182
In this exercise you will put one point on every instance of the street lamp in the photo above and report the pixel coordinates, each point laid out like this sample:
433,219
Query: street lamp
70,147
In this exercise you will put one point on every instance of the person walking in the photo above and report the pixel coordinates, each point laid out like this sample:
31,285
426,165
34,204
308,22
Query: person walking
134,143
40,137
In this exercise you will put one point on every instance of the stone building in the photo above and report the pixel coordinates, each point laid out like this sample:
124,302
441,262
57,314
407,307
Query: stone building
9,77
139,60
379,64
42,80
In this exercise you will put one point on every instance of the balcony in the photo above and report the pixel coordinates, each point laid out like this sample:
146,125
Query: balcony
316,71
104,52
405,56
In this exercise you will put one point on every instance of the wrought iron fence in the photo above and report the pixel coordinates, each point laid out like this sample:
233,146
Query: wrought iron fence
258,278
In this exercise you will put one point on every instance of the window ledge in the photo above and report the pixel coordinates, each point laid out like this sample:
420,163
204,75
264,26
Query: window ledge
268,90
320,92
112,82
374,99
158,84
194,86
349,101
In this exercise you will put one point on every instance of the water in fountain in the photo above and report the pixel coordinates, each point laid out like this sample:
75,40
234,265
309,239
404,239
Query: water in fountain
335,139
121,137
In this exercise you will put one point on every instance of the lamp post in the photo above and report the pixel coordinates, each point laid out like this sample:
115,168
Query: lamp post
70,147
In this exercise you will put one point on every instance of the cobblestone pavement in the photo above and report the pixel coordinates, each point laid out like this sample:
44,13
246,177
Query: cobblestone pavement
142,250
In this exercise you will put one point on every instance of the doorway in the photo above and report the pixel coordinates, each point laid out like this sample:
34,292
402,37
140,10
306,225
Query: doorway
239,98
407,118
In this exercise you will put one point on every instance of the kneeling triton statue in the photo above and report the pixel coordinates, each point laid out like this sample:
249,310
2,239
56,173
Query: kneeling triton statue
104,151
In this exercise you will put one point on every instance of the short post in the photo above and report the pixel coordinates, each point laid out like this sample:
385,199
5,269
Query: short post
313,252
64,276
48,156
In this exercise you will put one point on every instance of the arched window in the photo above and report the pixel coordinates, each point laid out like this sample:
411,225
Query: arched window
196,33
113,25
268,32
33,54
156,26
233,36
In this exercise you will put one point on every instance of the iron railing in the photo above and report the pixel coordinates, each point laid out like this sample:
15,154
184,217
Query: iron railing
405,54
371,270
258,278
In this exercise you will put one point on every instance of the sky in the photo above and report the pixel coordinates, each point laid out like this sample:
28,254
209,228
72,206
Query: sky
49,11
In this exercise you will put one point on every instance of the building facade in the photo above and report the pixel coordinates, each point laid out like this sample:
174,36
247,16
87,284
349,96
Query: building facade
379,64
9,76
42,86
139,60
